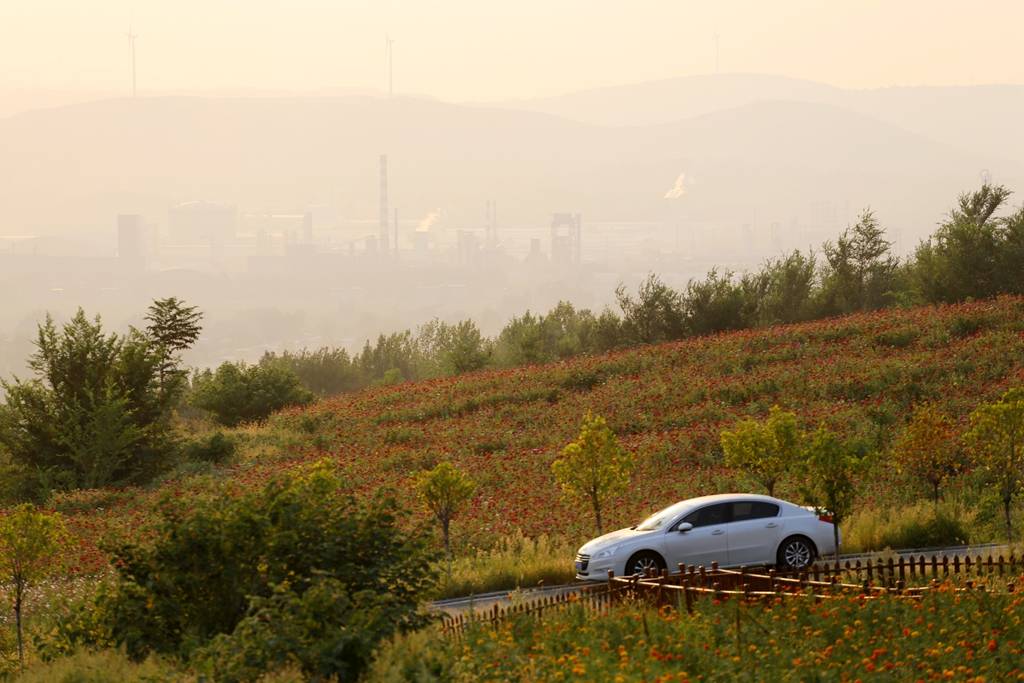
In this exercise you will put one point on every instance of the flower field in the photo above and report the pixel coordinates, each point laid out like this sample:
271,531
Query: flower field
667,403
946,635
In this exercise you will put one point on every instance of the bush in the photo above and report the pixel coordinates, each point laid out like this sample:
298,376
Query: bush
238,393
916,526
327,630
298,548
104,666
216,448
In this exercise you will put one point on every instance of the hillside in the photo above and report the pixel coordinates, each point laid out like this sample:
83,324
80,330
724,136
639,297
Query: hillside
947,114
862,373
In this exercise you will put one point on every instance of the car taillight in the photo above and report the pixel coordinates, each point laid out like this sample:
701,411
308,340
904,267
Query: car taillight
825,518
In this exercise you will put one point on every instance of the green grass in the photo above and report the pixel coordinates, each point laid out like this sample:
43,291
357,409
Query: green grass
514,562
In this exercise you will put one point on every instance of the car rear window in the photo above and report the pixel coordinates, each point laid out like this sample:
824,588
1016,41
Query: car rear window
753,509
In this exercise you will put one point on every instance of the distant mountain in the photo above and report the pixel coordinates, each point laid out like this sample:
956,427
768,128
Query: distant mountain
985,119
759,161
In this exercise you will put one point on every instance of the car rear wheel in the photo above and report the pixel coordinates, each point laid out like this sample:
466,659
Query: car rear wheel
796,553
645,562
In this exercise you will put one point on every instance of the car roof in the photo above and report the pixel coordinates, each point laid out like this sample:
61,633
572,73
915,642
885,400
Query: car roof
727,497
693,503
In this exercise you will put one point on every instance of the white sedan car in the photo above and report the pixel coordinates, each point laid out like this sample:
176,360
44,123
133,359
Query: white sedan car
733,529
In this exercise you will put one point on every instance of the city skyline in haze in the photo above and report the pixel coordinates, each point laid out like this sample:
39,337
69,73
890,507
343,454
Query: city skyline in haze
459,50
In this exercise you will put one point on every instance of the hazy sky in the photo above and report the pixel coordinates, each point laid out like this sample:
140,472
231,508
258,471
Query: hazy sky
482,49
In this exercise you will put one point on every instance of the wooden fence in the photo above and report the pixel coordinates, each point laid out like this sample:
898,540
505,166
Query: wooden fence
905,577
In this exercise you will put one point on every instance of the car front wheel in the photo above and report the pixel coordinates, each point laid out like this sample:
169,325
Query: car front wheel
645,563
795,553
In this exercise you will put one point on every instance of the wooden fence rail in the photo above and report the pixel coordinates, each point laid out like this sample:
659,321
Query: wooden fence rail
907,577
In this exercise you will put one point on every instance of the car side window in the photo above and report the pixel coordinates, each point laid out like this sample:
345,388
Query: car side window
708,516
749,509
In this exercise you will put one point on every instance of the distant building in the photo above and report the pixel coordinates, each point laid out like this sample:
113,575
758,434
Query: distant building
132,240
202,222
566,233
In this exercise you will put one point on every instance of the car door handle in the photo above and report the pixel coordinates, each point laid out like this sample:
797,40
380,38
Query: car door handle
771,525
718,532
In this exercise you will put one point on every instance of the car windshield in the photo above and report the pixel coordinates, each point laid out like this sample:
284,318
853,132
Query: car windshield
659,518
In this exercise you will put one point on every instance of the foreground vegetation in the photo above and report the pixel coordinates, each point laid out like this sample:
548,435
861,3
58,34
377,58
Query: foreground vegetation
964,636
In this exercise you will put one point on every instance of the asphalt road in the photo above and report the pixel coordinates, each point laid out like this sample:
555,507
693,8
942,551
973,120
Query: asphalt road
484,601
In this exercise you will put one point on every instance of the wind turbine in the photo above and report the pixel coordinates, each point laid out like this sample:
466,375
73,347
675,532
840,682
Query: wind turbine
131,46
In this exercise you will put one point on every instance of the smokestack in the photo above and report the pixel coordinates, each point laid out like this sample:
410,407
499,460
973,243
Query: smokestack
384,202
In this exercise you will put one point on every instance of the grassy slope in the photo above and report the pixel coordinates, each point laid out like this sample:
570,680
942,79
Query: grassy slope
668,404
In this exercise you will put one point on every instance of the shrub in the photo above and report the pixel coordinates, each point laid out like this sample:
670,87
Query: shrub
216,448
327,630
103,666
216,564
914,526
238,393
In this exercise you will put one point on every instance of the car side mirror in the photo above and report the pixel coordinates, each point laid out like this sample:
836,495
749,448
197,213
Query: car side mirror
684,527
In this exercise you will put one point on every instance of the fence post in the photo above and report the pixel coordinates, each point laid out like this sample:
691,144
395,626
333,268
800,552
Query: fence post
870,568
967,565
1000,565
687,597
902,568
703,577
771,580
956,564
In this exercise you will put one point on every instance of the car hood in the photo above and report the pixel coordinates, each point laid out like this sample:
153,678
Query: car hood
613,538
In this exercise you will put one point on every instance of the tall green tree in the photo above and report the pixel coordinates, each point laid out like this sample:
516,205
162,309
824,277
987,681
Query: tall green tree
445,490
974,253
173,327
860,270
831,467
96,412
594,466
718,303
30,545
655,315
996,439
765,449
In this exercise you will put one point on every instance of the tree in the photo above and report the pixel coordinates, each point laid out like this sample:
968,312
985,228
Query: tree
174,327
996,438
30,542
860,270
461,348
718,303
594,466
967,255
788,290
656,315
927,449
96,412
831,466
445,490
764,449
